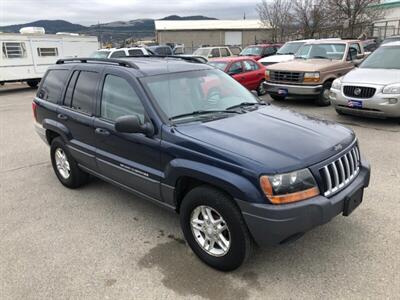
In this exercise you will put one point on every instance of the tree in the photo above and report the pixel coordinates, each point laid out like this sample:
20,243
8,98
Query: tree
354,12
275,14
310,16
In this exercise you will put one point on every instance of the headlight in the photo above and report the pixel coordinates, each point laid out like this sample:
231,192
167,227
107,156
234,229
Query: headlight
392,89
311,77
337,84
289,187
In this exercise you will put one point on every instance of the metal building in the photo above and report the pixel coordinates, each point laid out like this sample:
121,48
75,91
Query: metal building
194,34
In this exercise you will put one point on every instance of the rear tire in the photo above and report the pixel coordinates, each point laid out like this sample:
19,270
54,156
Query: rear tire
65,167
33,83
203,233
323,98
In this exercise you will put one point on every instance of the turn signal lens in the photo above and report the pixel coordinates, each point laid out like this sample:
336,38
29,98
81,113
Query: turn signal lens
267,74
289,187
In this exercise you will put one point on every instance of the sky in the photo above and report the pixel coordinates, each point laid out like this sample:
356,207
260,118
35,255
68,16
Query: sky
89,12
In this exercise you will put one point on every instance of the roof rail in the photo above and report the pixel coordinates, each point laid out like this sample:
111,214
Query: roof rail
193,59
122,63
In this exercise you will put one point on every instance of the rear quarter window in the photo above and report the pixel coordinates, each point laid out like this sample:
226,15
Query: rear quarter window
53,85
84,92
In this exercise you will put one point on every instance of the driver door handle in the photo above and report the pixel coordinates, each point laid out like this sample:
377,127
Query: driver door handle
102,131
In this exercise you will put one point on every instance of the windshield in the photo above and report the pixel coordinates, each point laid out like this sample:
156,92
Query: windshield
179,94
383,58
323,51
290,48
201,52
218,64
100,54
251,51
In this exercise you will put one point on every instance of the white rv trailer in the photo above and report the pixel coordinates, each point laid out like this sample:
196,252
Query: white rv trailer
25,57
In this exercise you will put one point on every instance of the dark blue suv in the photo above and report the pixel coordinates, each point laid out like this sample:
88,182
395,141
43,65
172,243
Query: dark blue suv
190,138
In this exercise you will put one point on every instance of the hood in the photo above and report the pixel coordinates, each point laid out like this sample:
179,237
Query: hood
308,65
276,58
372,76
278,139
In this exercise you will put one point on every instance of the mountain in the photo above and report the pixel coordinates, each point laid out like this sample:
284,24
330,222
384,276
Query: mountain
179,18
51,26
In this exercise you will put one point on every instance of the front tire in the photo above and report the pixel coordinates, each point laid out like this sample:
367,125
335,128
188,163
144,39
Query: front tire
214,228
277,98
65,167
323,98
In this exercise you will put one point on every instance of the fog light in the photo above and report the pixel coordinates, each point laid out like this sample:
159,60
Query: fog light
392,101
332,95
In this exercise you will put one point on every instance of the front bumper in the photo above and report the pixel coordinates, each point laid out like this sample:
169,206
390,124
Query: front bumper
293,90
377,107
273,224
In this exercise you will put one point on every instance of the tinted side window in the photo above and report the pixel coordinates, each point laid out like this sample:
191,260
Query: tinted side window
224,52
70,89
85,89
269,50
53,85
135,52
214,52
235,68
119,99
120,53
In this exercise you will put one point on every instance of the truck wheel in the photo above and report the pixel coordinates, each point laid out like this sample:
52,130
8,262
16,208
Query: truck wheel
33,83
323,98
65,166
214,228
277,98
261,91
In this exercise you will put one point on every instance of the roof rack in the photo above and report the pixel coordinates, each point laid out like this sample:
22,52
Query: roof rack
119,62
193,59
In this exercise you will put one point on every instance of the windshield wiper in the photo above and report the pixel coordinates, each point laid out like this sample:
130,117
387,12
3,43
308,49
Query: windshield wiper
202,112
243,104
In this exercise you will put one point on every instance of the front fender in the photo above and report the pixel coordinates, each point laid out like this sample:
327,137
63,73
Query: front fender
238,186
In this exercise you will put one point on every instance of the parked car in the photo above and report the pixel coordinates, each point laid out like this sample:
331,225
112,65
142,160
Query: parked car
245,70
260,51
394,38
370,46
235,169
235,50
316,65
120,52
373,89
213,52
285,53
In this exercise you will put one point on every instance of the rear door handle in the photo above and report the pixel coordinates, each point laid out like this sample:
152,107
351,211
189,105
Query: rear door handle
101,131
62,117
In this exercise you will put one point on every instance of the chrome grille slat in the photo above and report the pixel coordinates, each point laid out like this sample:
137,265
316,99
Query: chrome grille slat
341,172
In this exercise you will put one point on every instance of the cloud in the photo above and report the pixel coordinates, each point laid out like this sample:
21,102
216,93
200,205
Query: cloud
88,12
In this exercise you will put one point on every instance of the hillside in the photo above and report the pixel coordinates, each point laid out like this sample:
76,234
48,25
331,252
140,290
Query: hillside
51,26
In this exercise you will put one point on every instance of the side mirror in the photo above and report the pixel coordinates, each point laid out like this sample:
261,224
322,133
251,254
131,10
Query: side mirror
132,124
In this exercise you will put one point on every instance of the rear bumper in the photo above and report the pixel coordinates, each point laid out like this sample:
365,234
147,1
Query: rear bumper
41,132
274,224
293,90
377,107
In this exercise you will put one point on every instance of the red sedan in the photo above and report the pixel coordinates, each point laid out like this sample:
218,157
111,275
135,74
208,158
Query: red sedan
245,70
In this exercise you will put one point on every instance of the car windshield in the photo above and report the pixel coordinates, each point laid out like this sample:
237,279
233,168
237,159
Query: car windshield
202,52
218,64
290,48
384,58
186,96
323,51
100,54
249,51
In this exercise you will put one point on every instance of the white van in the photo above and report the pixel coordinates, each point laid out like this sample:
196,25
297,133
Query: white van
25,57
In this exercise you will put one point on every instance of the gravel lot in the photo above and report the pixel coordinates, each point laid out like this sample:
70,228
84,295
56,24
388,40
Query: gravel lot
100,242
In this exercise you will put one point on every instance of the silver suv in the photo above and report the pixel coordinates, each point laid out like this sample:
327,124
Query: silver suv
373,89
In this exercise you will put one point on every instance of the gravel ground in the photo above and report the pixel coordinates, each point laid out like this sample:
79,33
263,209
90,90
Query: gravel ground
100,242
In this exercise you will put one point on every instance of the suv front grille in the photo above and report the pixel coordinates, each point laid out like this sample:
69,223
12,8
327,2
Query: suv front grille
361,92
286,76
341,172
